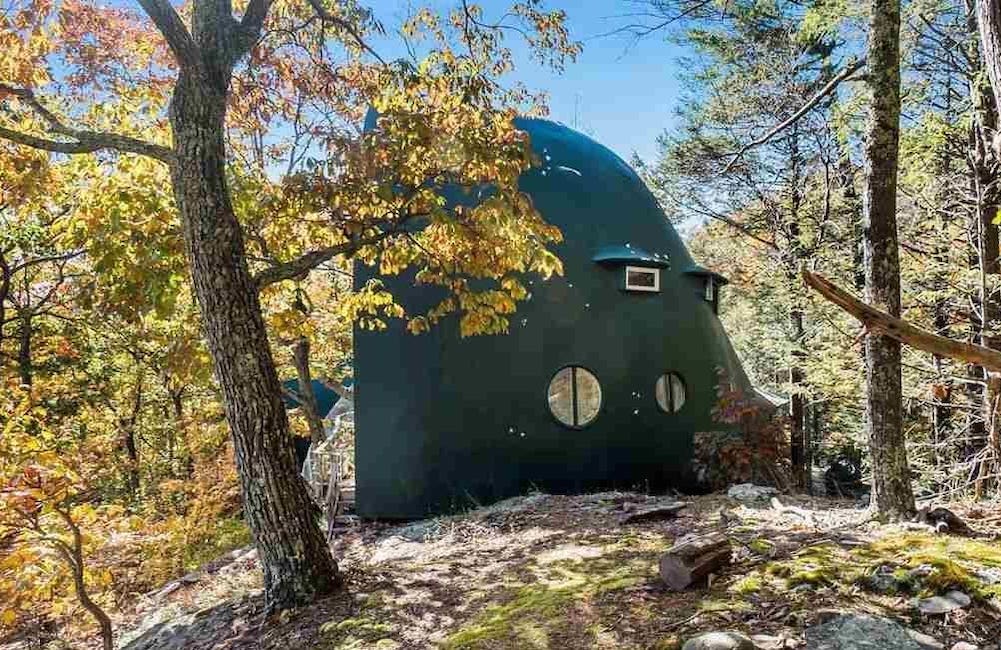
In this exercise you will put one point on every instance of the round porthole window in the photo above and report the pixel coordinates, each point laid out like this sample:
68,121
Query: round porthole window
670,391
574,396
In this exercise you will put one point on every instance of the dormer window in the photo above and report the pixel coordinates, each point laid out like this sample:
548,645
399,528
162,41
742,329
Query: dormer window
640,270
708,284
639,278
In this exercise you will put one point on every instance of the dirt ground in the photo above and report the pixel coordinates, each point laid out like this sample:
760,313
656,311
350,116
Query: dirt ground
565,572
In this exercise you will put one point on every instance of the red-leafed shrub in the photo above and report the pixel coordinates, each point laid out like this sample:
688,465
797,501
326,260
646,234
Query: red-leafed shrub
751,444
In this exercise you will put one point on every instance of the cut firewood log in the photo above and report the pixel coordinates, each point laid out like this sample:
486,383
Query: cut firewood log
692,559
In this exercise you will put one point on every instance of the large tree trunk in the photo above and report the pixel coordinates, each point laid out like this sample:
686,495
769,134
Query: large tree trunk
891,486
983,160
283,520
989,22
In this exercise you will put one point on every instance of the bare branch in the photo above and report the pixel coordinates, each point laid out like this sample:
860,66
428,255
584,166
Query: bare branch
830,87
84,141
42,259
346,25
89,142
304,264
880,322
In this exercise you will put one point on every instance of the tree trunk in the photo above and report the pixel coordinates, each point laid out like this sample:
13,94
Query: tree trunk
5,280
891,485
177,406
72,554
989,23
694,559
128,426
24,364
813,438
283,519
798,438
300,356
846,178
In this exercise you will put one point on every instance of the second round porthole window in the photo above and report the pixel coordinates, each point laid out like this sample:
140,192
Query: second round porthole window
574,396
670,392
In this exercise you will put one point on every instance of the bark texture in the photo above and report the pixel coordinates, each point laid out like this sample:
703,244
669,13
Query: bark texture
799,438
986,310
891,486
989,23
295,558
283,519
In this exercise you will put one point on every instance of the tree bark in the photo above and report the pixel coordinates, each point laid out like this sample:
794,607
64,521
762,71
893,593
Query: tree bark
989,22
307,398
797,411
296,561
891,484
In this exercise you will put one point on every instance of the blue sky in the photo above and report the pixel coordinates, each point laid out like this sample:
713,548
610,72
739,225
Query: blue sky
619,92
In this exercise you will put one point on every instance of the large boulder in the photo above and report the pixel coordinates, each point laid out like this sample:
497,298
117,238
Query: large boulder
859,632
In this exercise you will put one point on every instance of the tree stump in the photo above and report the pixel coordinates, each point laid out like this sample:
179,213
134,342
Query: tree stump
693,559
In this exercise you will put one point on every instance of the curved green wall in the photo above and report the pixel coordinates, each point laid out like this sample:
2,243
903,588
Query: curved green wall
444,422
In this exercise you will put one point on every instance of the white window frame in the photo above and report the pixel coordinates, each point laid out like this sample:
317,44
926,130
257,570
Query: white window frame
710,289
643,269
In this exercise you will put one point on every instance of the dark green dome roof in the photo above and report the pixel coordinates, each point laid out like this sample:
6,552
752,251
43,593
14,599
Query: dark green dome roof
617,210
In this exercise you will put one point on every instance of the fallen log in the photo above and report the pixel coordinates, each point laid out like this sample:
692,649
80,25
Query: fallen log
877,321
692,560
667,511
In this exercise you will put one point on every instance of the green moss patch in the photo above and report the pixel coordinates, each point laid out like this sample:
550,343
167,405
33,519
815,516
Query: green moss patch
531,614
920,564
